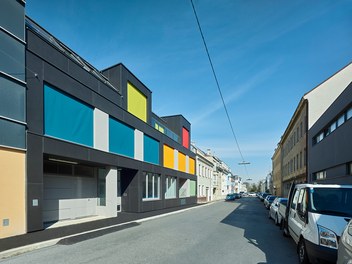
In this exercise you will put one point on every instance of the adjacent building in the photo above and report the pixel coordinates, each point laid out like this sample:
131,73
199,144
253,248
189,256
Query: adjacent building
12,118
77,142
295,143
330,144
276,173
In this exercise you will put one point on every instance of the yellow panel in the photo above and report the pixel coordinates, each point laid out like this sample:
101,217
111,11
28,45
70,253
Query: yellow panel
168,157
161,129
181,162
191,166
12,192
136,102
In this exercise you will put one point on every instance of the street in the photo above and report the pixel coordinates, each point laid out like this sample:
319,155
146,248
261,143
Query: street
221,232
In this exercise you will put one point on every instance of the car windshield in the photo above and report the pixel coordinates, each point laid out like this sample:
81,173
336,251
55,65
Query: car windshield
331,201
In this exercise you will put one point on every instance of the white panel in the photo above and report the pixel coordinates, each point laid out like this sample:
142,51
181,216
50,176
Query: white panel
176,159
111,192
138,145
187,164
101,130
322,96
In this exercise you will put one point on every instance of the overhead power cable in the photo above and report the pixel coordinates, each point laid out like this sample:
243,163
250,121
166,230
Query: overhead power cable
218,86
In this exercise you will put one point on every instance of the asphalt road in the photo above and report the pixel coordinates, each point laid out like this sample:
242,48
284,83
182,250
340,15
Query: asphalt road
221,232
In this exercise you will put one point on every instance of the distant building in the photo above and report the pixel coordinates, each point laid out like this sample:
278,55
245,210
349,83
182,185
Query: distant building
204,172
276,165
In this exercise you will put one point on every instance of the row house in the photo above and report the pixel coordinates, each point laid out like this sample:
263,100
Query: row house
204,172
76,142
295,156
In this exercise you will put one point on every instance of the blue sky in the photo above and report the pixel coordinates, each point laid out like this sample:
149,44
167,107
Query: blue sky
266,54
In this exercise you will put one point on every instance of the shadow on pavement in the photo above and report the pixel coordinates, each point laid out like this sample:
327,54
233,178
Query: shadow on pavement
260,231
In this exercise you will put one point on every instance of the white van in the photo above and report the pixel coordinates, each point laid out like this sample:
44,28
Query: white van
316,216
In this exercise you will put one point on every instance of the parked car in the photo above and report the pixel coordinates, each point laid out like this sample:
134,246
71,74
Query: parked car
315,218
237,195
264,195
268,201
230,197
274,209
344,253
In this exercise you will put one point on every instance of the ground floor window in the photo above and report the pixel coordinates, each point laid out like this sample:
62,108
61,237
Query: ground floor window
170,187
151,186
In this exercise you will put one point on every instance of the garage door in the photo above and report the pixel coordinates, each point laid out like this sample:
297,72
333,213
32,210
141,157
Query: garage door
68,197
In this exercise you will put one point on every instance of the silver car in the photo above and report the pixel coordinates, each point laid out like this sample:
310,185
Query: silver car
344,252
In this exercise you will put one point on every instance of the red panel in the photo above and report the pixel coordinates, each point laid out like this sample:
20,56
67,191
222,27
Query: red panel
185,138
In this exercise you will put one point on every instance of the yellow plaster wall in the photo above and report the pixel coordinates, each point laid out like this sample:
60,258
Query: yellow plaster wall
136,102
12,192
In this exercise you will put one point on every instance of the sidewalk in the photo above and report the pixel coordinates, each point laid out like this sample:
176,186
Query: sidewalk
75,233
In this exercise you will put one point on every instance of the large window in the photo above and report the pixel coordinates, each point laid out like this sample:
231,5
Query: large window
67,118
170,190
151,186
12,134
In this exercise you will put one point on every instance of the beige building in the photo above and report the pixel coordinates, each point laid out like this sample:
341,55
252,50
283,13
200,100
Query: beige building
204,171
276,165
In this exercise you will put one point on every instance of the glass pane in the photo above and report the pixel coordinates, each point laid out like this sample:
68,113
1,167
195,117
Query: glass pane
150,186
12,56
341,120
349,113
12,99
12,17
156,186
12,134
102,187
144,185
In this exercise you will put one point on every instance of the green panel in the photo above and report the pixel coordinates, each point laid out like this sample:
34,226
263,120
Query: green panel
192,190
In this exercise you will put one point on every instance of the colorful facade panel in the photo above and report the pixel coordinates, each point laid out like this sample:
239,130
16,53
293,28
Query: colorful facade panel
136,102
151,150
192,166
169,161
185,138
121,138
181,162
67,118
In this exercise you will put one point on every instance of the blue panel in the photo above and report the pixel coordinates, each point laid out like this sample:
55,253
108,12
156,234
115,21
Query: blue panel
12,134
151,150
121,138
67,118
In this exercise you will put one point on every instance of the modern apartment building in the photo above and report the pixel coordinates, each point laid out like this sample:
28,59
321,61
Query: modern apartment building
329,143
77,142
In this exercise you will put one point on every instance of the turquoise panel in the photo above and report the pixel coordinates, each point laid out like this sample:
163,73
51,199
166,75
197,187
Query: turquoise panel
121,138
151,150
67,118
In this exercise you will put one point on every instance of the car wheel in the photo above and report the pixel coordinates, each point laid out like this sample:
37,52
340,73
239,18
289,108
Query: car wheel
276,220
302,253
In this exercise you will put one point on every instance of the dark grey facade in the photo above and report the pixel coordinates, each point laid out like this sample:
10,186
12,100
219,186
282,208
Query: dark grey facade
51,63
330,144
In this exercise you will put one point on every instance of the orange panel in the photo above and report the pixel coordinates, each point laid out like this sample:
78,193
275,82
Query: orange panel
181,162
169,159
191,166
